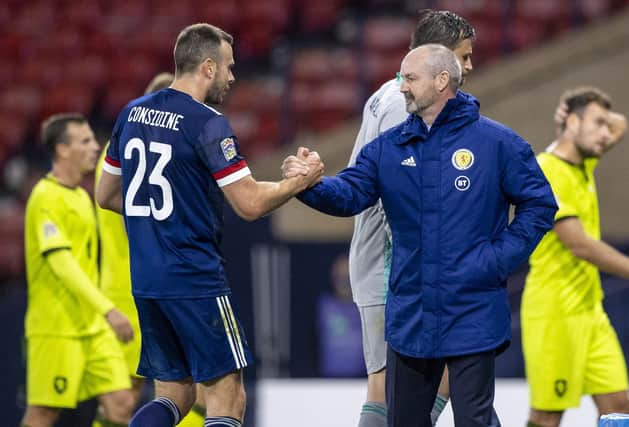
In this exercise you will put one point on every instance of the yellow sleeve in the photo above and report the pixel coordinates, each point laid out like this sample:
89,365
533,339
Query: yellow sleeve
561,186
49,231
65,267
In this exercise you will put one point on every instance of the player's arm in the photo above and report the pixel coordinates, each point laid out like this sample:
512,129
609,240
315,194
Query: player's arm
617,127
253,199
67,270
109,192
525,187
602,255
352,190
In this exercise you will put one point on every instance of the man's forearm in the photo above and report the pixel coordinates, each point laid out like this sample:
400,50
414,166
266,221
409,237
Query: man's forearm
604,256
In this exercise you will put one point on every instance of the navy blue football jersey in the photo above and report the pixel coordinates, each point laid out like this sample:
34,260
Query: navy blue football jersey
174,154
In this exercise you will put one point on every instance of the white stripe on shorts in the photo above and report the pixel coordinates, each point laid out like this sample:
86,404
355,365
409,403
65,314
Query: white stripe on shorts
229,331
236,331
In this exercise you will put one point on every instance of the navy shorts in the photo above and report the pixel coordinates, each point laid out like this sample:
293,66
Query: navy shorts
200,338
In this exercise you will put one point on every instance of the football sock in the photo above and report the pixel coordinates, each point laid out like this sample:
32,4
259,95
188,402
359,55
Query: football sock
161,412
437,408
222,422
373,414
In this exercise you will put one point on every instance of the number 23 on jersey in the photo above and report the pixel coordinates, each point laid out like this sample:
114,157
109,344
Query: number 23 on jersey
136,146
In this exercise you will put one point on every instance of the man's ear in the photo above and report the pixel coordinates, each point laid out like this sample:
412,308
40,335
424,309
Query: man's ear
208,68
442,80
572,122
61,150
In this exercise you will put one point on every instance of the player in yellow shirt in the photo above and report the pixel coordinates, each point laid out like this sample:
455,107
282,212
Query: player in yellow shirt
72,351
570,347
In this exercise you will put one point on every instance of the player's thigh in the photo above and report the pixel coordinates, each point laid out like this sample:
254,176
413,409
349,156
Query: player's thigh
605,369
374,345
210,334
162,355
106,370
55,368
555,356
225,396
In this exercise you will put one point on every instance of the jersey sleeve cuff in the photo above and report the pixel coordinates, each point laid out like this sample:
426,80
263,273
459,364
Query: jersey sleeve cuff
232,173
112,166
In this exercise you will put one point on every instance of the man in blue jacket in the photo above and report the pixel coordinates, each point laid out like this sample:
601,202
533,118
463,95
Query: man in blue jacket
446,177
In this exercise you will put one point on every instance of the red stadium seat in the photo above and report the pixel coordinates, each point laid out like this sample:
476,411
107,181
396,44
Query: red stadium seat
91,71
320,15
255,40
527,32
13,130
44,72
22,100
224,14
386,33
593,9
476,8
117,96
382,66
317,64
321,107
87,15
135,70
8,72
35,18
275,12
66,97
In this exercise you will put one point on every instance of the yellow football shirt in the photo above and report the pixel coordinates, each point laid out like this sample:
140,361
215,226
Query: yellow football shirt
115,279
559,283
59,217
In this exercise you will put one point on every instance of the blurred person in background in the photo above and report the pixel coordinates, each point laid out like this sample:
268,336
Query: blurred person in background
338,326
454,249
72,329
570,348
171,161
115,278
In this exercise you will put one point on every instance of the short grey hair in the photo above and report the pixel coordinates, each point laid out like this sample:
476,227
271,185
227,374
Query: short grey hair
440,59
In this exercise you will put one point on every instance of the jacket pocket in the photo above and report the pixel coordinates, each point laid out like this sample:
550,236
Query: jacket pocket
484,267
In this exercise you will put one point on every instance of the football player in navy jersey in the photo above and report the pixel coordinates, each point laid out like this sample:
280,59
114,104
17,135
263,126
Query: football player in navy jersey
171,161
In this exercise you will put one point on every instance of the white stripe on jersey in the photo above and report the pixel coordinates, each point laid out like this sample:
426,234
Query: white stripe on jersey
111,169
208,107
239,174
228,331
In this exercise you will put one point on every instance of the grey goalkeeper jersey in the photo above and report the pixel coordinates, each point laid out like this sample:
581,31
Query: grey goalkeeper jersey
369,252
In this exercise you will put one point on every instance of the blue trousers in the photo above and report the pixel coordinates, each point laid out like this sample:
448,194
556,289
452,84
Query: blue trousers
412,384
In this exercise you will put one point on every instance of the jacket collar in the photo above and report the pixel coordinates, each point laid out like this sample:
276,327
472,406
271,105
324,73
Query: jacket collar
457,112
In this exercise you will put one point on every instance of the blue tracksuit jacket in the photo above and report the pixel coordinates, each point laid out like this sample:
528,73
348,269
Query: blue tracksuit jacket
446,192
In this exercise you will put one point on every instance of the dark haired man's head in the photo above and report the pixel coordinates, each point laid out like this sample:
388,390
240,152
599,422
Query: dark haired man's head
69,138
587,123
449,29
206,49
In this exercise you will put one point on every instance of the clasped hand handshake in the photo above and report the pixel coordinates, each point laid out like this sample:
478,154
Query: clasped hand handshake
306,166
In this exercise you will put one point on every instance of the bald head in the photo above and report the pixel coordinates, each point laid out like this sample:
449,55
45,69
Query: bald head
431,74
434,59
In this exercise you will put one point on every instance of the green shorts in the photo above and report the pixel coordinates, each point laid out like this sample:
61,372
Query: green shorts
569,357
64,371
